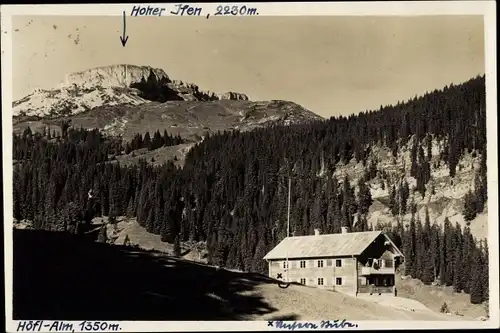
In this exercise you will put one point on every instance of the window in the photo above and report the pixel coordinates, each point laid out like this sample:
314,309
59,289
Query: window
338,263
388,263
303,281
320,263
375,263
338,281
302,264
320,281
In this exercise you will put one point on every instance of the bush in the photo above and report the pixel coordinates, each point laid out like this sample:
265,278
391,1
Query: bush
444,308
102,237
126,241
112,219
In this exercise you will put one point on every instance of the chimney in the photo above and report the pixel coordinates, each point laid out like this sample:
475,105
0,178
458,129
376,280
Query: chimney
345,230
316,232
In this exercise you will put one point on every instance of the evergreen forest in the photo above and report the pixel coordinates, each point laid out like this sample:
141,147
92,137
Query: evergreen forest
232,190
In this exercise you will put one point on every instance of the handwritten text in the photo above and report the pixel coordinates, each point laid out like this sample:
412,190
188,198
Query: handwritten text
186,10
189,10
324,324
62,326
146,11
236,10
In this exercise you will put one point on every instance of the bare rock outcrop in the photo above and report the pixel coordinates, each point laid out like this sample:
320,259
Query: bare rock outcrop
143,78
114,76
112,85
234,96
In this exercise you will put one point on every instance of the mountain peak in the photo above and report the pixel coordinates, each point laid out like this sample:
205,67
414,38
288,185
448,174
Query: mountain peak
119,75
113,85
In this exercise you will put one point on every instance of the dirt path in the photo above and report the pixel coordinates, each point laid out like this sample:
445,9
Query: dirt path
306,303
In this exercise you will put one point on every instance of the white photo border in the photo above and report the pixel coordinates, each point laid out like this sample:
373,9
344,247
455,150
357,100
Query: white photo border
487,9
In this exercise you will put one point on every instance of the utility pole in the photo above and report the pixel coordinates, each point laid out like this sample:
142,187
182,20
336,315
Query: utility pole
288,218
288,223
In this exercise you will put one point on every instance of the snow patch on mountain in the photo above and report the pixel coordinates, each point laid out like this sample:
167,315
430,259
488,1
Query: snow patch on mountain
112,85
73,100
115,127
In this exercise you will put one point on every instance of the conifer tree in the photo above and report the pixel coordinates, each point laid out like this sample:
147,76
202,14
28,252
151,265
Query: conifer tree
177,246
413,158
410,252
468,247
420,250
450,249
348,203
485,271
222,180
130,211
317,214
404,193
126,241
435,250
364,198
428,260
363,223
399,232
477,291
480,195
102,237
458,259
429,147
112,219
146,141
469,210
393,202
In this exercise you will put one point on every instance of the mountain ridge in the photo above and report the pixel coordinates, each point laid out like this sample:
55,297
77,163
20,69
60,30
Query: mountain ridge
129,99
112,85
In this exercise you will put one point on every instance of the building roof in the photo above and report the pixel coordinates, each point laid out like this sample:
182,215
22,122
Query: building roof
328,245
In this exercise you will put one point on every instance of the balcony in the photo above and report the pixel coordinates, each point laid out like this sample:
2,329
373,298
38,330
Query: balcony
379,270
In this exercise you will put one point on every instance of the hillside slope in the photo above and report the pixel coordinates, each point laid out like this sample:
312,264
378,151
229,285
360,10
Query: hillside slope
433,297
53,269
430,297
444,197
126,99
189,119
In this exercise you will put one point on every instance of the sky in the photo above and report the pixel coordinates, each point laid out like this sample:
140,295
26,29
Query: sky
329,65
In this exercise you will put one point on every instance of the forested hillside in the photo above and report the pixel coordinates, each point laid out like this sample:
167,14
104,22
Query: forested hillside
232,191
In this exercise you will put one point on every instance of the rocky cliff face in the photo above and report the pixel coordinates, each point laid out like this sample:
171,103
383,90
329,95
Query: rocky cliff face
112,85
234,96
114,76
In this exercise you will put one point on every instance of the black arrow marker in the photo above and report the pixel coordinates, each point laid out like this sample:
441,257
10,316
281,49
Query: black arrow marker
124,39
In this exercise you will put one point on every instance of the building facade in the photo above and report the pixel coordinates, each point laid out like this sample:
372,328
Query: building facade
353,263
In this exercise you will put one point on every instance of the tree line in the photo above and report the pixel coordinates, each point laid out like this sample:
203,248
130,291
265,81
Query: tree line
448,255
151,143
232,191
